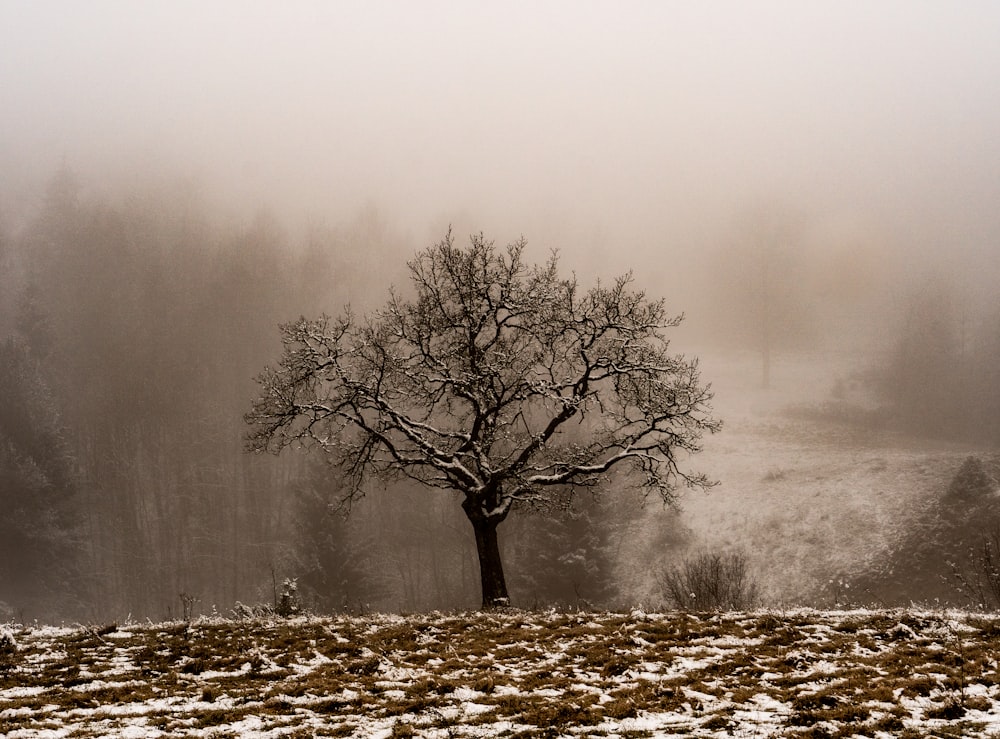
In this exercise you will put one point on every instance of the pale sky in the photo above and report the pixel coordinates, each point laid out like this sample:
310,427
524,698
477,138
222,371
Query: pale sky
646,125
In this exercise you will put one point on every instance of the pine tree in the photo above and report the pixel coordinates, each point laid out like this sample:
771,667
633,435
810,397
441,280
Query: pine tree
39,550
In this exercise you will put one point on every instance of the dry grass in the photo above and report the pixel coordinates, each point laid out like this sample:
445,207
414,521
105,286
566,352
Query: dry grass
816,501
890,673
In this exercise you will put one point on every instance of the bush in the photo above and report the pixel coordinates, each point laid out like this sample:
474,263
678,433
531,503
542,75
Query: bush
712,582
8,649
289,604
979,581
286,605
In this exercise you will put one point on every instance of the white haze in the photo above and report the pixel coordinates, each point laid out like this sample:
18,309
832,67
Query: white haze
788,174
629,135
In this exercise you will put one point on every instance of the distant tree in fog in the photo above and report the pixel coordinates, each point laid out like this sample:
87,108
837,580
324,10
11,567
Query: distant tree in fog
986,377
940,375
498,380
923,378
763,280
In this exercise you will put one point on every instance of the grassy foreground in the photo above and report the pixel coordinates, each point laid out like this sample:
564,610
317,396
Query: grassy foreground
763,674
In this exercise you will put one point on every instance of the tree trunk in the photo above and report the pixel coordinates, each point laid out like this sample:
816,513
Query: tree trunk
765,347
491,577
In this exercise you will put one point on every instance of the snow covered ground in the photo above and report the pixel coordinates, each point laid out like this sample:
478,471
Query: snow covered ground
760,674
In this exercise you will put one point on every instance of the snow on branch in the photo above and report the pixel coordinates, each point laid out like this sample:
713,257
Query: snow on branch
496,378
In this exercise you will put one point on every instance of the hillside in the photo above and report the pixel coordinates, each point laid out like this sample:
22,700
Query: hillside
826,499
515,674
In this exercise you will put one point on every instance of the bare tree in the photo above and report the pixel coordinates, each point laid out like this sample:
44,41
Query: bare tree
498,380
764,281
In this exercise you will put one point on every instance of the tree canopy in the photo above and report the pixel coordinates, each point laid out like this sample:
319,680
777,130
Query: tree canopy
497,379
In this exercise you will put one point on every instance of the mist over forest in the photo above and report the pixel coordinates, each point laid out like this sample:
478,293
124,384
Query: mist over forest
813,187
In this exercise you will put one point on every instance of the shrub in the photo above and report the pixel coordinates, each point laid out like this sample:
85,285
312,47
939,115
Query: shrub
711,581
8,649
979,581
288,603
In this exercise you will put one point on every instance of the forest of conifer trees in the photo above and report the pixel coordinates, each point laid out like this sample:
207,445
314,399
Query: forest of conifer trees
133,330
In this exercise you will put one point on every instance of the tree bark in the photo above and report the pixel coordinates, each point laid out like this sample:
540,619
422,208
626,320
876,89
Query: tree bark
491,577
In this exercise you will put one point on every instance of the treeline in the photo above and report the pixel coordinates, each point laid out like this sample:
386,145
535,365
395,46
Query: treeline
131,332
940,376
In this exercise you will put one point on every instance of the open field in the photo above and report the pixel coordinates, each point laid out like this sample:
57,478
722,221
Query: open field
816,487
515,674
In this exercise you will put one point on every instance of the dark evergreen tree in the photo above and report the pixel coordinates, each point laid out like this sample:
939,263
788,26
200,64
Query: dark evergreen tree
568,558
333,563
925,381
39,546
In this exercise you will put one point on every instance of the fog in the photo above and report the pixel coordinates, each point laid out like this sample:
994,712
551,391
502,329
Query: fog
636,130
847,150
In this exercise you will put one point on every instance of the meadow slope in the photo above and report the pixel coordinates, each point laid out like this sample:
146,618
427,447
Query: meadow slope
515,674
816,487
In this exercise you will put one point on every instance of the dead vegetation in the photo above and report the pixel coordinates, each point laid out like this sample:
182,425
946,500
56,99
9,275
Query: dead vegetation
798,674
